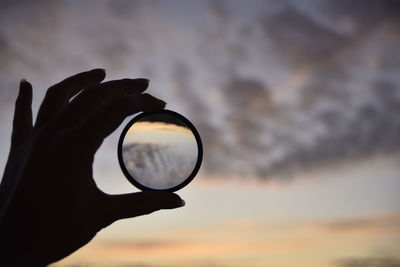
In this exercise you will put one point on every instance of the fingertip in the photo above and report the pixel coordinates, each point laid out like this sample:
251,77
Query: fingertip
143,80
172,200
101,73
99,70
151,103
25,88
141,203
24,83
143,83
134,86
22,123
165,200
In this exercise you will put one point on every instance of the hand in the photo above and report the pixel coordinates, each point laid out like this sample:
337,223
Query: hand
49,203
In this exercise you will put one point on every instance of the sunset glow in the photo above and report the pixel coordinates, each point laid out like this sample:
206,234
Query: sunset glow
297,104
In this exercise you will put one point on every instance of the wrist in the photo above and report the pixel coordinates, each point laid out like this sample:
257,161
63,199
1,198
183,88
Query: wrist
15,250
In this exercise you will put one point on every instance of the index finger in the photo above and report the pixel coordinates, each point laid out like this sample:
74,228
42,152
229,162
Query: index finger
58,95
93,131
91,99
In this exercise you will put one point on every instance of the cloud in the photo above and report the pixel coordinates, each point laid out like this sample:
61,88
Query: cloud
369,262
158,165
273,87
385,223
246,241
299,39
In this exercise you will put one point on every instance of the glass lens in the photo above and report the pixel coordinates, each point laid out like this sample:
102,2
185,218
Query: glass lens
159,151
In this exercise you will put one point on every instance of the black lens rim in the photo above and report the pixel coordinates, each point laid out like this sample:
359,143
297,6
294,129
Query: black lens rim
196,168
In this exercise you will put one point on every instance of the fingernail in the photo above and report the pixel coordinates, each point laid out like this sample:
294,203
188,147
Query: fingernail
23,81
144,81
183,203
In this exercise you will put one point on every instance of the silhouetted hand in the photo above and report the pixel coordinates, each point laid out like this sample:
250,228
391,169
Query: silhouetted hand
50,204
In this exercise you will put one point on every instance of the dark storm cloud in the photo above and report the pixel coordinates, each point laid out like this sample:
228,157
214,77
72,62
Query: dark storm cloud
364,12
334,118
302,39
299,39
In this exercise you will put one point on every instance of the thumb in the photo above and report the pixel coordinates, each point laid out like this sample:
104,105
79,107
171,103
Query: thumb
141,203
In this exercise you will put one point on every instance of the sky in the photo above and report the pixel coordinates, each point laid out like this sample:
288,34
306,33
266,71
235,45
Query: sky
297,104
159,155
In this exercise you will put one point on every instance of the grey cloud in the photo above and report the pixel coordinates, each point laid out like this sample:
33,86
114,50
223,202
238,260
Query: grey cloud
364,12
157,166
299,39
247,95
226,65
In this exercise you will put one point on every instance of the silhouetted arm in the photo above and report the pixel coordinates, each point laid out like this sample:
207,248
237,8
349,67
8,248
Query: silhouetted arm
49,203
